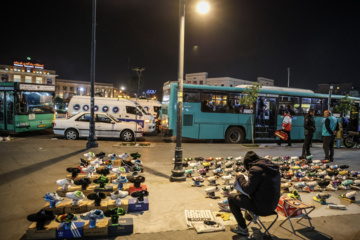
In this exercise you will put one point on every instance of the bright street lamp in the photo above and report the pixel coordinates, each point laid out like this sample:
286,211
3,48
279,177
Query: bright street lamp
178,173
203,7
123,88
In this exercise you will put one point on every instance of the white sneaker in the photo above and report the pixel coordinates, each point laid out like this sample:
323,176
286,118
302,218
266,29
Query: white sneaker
6,139
123,156
64,182
1,139
118,194
89,155
92,215
89,169
77,195
96,162
118,170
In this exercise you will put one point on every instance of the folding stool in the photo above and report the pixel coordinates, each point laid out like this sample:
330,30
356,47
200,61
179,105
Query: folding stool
256,219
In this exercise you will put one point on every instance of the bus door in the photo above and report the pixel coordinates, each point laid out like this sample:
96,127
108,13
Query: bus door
265,117
7,106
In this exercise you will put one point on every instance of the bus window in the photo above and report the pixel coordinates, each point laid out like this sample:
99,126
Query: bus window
313,103
191,95
132,110
166,96
214,102
292,104
39,102
235,106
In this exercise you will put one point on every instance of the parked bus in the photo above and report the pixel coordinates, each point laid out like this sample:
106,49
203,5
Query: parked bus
212,112
26,107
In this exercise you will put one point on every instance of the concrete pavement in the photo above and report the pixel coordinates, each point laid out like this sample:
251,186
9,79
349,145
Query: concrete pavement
30,166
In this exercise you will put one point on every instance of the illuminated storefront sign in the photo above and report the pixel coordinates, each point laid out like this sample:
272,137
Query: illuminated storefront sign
29,65
151,91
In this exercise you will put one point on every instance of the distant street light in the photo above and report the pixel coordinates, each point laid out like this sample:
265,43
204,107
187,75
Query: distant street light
178,171
123,88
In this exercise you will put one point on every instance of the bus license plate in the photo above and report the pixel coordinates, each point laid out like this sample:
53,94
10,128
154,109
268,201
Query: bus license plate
41,126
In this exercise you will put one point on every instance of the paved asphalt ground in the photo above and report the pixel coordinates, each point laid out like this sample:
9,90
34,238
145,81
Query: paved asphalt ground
31,163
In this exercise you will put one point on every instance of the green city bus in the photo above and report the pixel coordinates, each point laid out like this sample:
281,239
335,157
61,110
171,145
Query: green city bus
215,112
26,107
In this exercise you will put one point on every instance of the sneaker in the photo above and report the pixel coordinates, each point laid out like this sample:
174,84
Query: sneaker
92,215
104,171
135,155
84,183
89,155
140,195
77,195
118,194
120,179
84,162
239,230
67,218
123,156
42,215
115,212
53,197
98,196
74,171
224,205
101,154
65,181
96,163
89,169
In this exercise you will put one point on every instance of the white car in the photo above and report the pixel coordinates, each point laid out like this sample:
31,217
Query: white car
105,126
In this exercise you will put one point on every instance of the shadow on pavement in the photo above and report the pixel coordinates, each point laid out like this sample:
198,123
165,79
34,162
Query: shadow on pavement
18,173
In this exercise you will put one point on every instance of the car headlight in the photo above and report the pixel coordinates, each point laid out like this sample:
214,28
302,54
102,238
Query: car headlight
147,121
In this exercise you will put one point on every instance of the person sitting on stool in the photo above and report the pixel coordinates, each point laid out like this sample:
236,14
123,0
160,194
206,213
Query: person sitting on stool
262,189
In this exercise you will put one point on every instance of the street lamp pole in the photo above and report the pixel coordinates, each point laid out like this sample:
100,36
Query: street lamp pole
92,143
139,73
178,173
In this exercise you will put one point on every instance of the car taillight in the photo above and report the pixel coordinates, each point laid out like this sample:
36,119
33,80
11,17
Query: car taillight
54,124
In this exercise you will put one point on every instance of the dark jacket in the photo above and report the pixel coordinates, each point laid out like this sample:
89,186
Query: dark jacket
263,185
309,124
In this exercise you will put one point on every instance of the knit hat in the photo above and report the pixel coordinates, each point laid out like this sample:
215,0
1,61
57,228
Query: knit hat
250,157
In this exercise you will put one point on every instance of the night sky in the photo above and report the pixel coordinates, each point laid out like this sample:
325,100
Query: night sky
319,40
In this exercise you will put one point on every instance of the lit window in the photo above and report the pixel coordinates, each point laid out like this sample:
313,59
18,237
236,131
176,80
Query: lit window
28,79
39,80
17,78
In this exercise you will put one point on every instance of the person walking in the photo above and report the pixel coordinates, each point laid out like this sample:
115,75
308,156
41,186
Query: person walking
329,129
261,191
286,127
309,130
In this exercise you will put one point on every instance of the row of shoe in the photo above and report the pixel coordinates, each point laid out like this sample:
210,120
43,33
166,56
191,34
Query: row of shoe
5,139
44,216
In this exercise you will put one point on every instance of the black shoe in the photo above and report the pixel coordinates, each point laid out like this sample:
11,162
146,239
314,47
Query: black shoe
302,157
135,155
74,172
84,182
98,196
323,184
84,163
279,144
104,171
199,159
101,154
343,166
140,195
40,218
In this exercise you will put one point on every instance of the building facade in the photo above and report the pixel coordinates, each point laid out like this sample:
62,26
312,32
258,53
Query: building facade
202,79
27,72
65,89
337,88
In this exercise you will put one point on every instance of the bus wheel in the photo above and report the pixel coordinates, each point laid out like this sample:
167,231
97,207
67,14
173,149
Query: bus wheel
127,135
234,135
71,134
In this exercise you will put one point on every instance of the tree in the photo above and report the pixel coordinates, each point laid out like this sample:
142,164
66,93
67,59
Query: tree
345,105
248,98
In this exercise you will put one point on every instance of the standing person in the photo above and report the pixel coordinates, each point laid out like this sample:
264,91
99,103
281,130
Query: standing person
309,126
262,189
329,129
286,127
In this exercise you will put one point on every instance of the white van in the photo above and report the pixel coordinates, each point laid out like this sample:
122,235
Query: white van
122,109
150,106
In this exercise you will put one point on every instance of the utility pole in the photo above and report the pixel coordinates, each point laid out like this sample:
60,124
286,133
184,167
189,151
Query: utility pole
288,76
139,73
